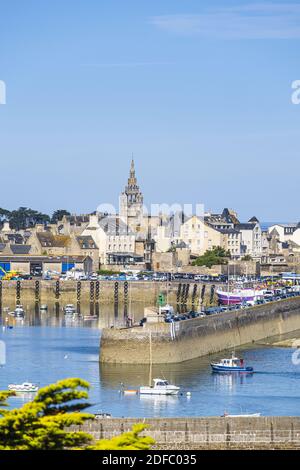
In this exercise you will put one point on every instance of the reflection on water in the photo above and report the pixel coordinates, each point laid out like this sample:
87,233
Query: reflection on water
47,346
105,315
229,380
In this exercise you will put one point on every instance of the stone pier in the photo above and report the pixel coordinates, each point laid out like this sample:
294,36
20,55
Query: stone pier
188,339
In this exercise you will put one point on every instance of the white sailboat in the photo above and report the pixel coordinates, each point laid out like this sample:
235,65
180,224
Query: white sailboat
161,386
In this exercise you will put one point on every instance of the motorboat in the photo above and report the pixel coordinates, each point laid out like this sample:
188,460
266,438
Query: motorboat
233,364
160,387
102,415
166,309
44,307
242,415
18,312
24,387
69,309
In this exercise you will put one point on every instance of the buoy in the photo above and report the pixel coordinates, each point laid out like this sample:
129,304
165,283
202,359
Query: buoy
188,394
130,392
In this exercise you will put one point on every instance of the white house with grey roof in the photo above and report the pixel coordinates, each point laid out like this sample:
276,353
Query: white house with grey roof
251,238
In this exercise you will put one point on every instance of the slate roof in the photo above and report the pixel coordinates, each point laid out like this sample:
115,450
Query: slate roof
15,238
253,220
20,249
228,230
86,242
47,239
229,216
244,226
114,226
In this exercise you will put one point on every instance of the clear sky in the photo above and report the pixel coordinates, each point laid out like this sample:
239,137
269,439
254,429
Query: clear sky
199,91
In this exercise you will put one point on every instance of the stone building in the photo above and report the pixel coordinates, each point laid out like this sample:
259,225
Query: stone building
48,244
199,236
115,240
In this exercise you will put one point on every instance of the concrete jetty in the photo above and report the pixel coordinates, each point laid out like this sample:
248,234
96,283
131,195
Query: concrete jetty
188,339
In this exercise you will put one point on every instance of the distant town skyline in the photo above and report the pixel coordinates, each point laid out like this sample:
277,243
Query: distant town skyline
201,94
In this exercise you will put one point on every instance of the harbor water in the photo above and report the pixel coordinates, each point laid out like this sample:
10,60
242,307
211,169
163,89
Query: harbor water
46,347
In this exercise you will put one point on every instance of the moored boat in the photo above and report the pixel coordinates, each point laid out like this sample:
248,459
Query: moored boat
18,312
241,296
160,387
24,387
233,364
69,309
242,415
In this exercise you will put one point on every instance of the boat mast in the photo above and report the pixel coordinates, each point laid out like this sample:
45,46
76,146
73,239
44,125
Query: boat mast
150,358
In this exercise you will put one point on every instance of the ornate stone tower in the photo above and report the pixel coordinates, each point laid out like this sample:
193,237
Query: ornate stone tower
131,200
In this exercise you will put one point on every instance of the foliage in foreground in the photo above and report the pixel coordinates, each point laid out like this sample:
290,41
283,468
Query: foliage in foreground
127,441
41,424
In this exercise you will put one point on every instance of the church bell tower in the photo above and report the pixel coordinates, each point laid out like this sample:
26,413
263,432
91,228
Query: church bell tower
131,200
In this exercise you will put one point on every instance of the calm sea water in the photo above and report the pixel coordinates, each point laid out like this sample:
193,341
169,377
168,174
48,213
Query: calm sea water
44,348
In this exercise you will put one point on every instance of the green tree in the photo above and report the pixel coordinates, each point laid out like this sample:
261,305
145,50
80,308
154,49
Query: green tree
4,214
25,217
43,423
247,258
58,215
213,257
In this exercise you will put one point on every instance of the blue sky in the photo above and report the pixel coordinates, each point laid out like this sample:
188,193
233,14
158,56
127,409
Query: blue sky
200,92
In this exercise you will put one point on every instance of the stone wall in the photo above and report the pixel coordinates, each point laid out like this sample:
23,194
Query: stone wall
207,432
188,339
144,292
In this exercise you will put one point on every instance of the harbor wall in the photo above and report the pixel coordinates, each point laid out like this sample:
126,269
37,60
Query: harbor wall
206,432
188,339
108,291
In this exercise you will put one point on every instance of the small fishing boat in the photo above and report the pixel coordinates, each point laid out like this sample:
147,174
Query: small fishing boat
24,387
160,387
44,307
234,364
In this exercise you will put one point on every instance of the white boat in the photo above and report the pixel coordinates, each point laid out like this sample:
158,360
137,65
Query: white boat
24,387
166,309
246,415
69,309
18,311
160,387
44,307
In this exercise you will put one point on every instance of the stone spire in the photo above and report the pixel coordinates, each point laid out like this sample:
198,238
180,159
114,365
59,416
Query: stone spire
132,181
132,190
